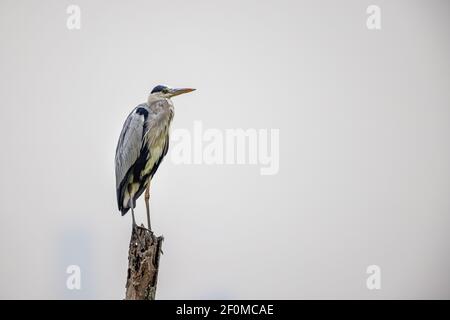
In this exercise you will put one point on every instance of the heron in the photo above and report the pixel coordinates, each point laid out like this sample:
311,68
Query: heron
143,144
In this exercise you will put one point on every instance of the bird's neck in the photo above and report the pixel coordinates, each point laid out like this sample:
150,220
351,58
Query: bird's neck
152,98
162,108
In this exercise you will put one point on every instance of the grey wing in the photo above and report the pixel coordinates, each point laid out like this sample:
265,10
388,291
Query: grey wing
128,147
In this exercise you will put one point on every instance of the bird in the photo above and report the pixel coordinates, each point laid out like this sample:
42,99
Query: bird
143,144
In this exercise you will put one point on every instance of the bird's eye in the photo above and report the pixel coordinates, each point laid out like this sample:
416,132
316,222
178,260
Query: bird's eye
165,91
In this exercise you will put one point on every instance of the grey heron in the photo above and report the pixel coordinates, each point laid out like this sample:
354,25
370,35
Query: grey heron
143,144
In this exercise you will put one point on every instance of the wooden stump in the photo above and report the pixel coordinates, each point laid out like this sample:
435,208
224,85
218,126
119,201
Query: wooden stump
143,264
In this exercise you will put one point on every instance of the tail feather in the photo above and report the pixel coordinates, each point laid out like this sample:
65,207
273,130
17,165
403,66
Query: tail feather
124,211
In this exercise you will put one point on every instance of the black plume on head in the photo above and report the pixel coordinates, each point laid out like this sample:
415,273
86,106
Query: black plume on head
158,88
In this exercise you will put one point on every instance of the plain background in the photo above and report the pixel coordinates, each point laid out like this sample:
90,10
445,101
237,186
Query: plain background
364,147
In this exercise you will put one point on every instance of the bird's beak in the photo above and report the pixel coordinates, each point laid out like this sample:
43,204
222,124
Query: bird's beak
178,91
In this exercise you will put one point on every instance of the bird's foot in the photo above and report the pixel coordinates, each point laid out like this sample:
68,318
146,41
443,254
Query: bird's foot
142,227
135,230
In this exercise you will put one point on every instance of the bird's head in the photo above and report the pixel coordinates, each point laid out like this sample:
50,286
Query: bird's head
161,91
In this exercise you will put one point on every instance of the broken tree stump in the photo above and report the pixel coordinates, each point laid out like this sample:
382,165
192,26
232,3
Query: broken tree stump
143,264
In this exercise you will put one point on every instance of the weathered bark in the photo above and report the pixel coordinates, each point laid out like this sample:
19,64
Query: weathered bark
143,264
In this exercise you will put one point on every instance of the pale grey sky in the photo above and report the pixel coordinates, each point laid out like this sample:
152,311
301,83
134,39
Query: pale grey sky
364,147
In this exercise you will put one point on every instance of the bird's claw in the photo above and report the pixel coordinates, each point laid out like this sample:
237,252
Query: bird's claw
135,227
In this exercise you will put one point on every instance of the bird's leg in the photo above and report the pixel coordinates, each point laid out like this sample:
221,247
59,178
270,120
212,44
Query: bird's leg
135,226
147,205
132,215
134,219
